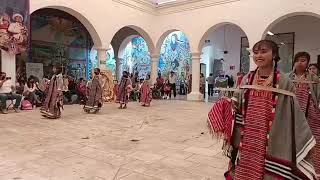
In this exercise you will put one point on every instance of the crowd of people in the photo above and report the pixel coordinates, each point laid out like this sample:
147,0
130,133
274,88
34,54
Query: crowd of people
51,94
30,93
270,125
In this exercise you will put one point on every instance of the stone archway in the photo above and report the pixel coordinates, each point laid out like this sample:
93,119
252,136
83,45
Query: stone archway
295,32
87,24
122,38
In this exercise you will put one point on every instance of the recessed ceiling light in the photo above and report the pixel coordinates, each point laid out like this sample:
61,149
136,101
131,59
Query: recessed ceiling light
164,1
270,33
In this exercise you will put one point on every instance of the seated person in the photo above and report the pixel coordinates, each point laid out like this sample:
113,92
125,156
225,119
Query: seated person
20,87
81,90
65,89
72,86
7,92
167,89
30,92
134,94
160,83
115,88
41,87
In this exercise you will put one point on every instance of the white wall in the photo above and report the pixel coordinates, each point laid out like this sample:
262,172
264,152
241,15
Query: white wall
224,38
206,58
253,16
103,18
307,33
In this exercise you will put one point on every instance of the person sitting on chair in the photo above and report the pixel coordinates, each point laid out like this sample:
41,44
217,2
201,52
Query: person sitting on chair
7,93
29,92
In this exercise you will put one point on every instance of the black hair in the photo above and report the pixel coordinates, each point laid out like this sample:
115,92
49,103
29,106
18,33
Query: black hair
29,84
125,74
275,55
315,65
97,69
58,68
300,55
31,77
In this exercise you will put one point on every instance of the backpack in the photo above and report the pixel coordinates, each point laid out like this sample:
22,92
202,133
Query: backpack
26,105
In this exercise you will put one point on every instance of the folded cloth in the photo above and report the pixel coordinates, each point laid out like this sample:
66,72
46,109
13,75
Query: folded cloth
221,118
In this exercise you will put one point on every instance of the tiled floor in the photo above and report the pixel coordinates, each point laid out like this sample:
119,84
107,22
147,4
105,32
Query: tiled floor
167,141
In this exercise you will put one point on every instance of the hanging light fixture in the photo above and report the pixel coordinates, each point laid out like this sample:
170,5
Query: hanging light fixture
270,33
224,40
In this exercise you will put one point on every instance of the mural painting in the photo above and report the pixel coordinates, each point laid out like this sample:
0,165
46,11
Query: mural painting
175,56
137,57
14,25
60,40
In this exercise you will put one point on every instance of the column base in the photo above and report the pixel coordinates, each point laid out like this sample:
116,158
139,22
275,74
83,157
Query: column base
195,96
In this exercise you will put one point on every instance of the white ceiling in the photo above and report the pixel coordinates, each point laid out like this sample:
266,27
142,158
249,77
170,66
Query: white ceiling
161,1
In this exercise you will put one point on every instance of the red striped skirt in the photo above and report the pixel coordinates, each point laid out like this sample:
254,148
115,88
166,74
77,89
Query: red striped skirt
302,92
252,154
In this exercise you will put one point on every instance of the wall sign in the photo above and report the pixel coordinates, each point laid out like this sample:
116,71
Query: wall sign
34,69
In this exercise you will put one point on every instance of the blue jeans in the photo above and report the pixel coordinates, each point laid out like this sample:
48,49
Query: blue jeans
10,96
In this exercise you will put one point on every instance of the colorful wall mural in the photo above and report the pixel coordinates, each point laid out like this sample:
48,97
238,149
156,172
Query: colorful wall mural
56,40
110,61
175,55
136,57
14,25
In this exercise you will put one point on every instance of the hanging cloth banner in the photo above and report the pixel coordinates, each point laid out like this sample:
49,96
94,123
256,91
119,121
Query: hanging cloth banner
14,25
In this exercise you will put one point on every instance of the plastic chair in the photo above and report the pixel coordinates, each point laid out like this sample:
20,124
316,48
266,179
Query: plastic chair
11,103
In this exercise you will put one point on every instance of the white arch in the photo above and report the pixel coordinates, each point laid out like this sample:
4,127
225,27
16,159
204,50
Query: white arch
163,37
87,24
143,34
213,28
124,44
274,22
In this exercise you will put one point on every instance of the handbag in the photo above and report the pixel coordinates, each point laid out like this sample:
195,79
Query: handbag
167,88
26,105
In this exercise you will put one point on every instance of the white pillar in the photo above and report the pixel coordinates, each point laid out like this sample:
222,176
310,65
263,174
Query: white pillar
195,94
102,58
118,68
253,65
8,64
154,68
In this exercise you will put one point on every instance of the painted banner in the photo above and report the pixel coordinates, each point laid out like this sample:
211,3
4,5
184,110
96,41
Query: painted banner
14,25
34,69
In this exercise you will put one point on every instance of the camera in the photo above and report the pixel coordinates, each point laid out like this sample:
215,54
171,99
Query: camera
2,77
